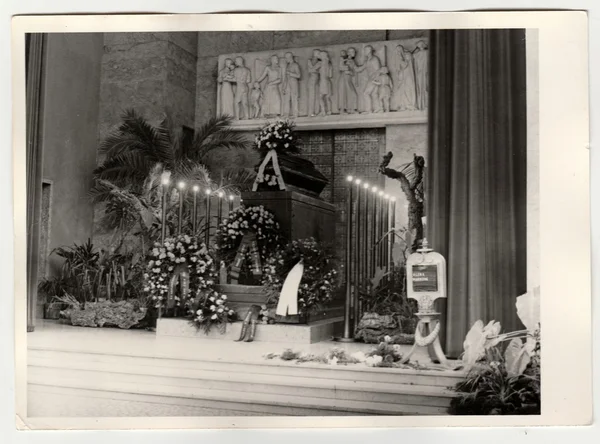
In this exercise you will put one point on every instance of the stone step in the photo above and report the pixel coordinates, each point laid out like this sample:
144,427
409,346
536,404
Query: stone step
310,333
243,400
46,401
48,356
248,382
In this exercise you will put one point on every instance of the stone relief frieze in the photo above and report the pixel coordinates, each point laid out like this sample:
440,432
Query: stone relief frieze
362,78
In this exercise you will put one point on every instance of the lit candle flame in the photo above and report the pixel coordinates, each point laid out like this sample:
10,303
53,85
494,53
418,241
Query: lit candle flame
196,188
350,178
181,185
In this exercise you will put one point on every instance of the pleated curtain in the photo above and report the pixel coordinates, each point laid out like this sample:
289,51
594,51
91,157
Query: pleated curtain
476,181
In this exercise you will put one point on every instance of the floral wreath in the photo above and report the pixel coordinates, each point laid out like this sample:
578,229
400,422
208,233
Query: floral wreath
242,221
164,258
212,311
320,279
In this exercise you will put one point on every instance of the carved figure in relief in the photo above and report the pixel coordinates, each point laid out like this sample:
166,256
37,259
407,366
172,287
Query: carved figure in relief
256,101
385,89
421,63
347,97
225,81
290,89
271,96
243,78
371,65
314,65
405,93
325,88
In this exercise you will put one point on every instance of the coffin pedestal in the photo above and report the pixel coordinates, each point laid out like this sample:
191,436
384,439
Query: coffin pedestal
300,216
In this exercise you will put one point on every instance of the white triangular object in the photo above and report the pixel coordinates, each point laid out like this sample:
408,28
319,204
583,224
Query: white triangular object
288,299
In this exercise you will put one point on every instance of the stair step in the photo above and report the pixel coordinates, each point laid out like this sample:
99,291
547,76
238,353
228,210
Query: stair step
444,379
284,385
75,402
242,400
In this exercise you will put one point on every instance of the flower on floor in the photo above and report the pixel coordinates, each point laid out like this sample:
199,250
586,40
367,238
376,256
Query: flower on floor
385,354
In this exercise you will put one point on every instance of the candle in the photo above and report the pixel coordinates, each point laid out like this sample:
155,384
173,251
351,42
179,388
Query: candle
165,190
181,186
393,236
348,333
357,251
207,220
365,238
231,197
374,225
196,188
219,209
381,215
386,229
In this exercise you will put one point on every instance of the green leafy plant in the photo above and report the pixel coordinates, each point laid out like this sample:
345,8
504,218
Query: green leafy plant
88,274
503,369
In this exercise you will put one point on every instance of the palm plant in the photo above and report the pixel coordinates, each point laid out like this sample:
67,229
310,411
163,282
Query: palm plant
138,155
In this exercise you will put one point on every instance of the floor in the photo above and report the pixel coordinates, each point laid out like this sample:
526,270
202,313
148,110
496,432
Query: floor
147,343
45,401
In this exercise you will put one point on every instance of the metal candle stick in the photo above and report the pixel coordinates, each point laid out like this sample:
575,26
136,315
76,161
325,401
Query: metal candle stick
392,236
207,221
181,186
381,229
365,238
357,252
196,188
348,333
219,209
231,203
386,225
374,225
163,232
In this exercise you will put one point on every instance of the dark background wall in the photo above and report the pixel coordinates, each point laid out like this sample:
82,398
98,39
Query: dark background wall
69,135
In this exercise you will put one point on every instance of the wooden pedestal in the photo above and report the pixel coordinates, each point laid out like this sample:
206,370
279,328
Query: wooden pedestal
299,216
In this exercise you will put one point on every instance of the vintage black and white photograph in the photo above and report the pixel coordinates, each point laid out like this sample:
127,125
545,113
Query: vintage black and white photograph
282,223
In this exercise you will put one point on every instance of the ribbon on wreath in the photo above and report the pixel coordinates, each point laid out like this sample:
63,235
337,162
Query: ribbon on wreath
260,175
248,248
180,274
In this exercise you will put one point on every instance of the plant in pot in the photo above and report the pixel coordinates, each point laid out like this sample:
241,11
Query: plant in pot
281,167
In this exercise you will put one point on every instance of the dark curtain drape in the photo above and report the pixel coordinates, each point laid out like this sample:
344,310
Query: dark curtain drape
477,175
34,67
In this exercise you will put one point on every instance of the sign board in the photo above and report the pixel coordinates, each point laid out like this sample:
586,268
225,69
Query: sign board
426,278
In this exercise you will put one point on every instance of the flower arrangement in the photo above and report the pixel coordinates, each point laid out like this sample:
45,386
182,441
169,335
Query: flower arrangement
212,310
245,220
319,281
182,249
278,136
